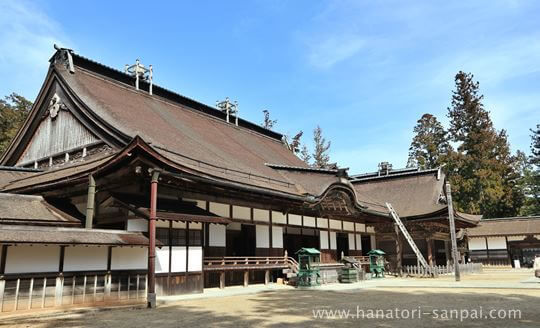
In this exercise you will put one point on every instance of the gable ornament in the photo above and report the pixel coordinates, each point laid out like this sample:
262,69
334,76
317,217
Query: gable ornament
55,105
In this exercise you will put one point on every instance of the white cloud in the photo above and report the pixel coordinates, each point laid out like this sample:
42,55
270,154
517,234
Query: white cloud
27,36
331,50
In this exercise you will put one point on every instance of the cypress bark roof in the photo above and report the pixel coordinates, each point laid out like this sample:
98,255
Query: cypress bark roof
179,129
506,227
26,209
70,236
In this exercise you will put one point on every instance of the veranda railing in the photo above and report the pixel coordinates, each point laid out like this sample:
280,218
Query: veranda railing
436,270
37,291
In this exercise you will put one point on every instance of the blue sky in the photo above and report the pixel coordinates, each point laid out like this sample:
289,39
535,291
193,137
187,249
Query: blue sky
365,71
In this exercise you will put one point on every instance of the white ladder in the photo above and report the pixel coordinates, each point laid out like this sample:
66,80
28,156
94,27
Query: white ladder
401,226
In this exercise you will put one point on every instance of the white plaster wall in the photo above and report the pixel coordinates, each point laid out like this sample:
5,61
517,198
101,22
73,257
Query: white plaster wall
360,227
261,215
309,221
217,235
195,259
262,237
195,226
348,226
373,242
277,237
351,242
477,244
220,209
140,225
358,242
335,224
81,258
323,237
278,217
162,260
38,258
496,242
178,259
242,212
333,244
322,223
295,219
129,258
515,238
370,229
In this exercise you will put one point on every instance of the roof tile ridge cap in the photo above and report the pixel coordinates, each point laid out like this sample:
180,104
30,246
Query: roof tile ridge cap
173,103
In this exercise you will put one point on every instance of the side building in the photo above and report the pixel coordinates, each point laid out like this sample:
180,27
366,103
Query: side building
418,196
511,241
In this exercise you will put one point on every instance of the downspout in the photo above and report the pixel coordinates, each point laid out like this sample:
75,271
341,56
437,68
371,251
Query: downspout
151,296
90,202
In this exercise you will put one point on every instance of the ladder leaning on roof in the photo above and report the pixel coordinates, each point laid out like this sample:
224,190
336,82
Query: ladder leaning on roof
411,242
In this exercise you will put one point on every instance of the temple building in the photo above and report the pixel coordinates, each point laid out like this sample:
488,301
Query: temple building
118,189
511,241
419,198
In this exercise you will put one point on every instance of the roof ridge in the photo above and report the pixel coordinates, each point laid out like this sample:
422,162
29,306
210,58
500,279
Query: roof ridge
300,168
399,173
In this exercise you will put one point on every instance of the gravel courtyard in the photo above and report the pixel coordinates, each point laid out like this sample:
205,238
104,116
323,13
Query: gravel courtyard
424,307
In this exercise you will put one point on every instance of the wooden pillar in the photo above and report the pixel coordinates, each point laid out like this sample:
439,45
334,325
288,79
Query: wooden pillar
222,279
151,292
399,252
90,202
447,252
429,243
452,224
246,278
3,258
266,277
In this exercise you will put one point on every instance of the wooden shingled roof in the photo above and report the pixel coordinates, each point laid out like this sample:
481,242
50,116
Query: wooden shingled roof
178,129
16,234
413,193
506,227
32,210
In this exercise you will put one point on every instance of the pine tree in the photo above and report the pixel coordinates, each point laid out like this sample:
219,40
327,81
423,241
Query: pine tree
13,111
305,156
294,143
531,177
268,123
320,154
482,169
429,145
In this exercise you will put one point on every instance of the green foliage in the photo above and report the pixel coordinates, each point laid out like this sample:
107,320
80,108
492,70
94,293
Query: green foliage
320,154
429,145
268,123
13,111
484,174
294,143
304,155
530,181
